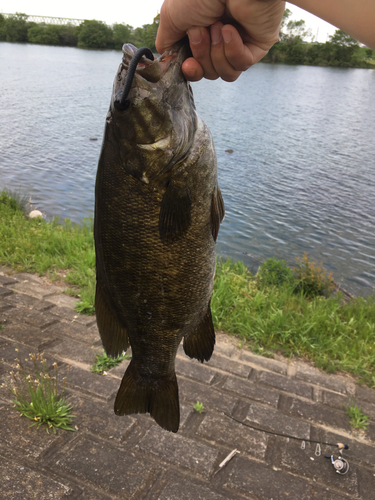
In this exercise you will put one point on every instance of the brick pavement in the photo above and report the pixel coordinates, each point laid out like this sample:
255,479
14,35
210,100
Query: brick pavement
111,457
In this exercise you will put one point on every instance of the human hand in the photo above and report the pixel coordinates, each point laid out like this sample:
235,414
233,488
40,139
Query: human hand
226,36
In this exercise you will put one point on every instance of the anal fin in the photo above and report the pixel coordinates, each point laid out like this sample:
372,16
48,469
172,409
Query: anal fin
159,397
114,336
199,344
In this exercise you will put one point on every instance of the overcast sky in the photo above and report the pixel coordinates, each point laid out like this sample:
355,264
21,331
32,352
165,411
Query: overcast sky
135,12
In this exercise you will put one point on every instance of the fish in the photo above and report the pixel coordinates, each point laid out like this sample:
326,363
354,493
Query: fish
158,209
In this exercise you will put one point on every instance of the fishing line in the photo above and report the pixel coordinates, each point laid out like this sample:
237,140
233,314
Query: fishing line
123,104
340,446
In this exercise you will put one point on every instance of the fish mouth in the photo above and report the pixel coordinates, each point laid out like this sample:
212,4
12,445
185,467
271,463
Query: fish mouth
148,71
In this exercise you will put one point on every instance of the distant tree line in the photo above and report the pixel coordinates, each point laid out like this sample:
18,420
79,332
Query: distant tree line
293,48
89,34
341,50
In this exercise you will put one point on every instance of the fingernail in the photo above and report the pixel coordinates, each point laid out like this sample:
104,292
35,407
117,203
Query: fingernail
195,35
215,34
227,35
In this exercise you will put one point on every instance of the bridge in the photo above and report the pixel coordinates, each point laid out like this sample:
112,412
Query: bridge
49,19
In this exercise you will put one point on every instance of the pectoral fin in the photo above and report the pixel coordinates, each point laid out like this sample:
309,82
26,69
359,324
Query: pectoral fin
199,344
114,337
217,212
175,213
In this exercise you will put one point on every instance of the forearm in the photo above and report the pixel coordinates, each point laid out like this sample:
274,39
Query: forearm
355,17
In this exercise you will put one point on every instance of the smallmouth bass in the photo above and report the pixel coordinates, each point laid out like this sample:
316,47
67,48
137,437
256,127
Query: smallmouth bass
158,209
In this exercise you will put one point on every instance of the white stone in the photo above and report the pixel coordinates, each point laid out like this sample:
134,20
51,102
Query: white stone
35,213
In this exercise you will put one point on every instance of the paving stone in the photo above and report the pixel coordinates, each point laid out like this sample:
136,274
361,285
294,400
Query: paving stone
314,376
99,418
30,317
194,369
183,489
3,308
34,278
275,421
366,484
251,478
172,448
29,335
8,352
286,384
250,390
74,331
319,469
23,440
365,393
70,349
63,300
338,401
90,383
69,315
33,289
4,292
19,482
230,366
223,347
211,397
21,299
268,363
223,430
108,467
7,280
119,370
317,412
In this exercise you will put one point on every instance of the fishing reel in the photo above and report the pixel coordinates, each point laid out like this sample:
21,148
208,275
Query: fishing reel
340,465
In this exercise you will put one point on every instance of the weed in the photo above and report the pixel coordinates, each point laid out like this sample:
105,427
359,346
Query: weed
358,419
274,272
104,362
37,396
312,280
198,407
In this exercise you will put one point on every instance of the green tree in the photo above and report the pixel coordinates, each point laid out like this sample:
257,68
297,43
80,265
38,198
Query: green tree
298,29
122,33
369,53
343,47
2,28
15,28
94,35
44,34
68,35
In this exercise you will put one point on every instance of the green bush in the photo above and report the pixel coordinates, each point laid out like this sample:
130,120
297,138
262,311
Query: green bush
312,280
274,272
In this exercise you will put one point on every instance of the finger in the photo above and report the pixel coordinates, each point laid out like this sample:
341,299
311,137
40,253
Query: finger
192,70
240,55
218,56
167,34
200,44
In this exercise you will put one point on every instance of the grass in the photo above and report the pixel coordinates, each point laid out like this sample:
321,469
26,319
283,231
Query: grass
358,419
269,313
104,362
333,334
198,407
58,249
37,396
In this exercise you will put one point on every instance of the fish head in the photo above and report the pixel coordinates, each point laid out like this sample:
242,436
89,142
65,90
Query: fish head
156,127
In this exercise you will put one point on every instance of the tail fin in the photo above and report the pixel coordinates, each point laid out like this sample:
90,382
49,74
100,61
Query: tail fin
159,398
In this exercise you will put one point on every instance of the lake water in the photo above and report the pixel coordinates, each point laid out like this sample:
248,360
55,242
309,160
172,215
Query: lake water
301,177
